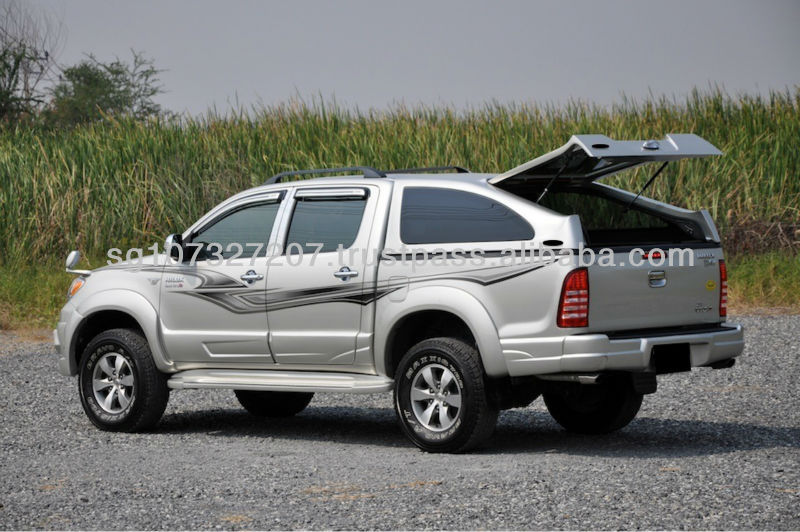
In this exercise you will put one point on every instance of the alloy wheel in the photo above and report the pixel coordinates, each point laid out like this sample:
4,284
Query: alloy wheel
435,397
113,383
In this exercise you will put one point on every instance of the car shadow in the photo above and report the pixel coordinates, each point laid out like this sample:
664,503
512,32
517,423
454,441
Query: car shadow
528,431
518,431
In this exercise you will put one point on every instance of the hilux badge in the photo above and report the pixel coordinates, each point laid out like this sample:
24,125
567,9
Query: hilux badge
173,281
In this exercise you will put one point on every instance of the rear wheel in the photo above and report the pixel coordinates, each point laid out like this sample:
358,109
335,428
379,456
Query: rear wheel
273,404
440,396
594,408
120,387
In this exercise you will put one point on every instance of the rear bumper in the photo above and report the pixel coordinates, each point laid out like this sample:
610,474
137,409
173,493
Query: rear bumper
604,352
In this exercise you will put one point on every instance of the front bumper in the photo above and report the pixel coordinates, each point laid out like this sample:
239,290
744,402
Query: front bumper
62,339
62,349
604,352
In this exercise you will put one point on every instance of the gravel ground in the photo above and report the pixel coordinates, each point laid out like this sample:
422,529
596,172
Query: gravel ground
711,450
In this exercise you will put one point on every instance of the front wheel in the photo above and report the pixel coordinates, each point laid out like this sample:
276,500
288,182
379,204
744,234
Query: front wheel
594,408
440,396
120,387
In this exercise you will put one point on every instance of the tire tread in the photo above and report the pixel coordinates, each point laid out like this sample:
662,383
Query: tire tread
152,393
619,410
471,366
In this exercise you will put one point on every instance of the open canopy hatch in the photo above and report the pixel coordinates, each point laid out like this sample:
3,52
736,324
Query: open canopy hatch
590,157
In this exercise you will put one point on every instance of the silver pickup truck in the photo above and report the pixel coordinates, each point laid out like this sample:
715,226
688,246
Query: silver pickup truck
464,293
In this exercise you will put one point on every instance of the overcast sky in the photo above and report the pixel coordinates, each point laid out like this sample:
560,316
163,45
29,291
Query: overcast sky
374,54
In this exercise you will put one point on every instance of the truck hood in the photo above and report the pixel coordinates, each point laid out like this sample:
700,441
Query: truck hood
590,157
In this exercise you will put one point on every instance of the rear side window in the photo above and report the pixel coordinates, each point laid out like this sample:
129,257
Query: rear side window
330,222
439,215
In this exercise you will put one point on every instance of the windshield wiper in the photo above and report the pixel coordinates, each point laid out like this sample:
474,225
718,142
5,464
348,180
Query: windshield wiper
649,182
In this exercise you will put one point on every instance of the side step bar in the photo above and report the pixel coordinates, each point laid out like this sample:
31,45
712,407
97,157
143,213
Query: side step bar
280,381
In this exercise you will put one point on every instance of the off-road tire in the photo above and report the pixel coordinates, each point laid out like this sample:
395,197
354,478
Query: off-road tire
471,424
273,404
148,392
594,408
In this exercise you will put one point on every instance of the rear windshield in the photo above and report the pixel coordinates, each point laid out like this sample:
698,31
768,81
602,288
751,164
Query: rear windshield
599,213
608,221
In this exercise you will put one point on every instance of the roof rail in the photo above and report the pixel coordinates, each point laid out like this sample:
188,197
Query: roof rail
456,169
367,171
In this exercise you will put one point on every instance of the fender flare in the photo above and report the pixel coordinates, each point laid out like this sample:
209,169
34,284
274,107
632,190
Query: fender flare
446,299
136,306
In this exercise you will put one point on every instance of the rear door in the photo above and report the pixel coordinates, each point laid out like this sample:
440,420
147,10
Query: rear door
315,292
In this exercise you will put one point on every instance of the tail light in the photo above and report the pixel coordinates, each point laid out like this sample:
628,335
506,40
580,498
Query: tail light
723,289
653,255
573,308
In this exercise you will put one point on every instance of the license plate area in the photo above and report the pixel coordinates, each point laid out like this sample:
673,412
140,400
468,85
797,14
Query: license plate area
671,358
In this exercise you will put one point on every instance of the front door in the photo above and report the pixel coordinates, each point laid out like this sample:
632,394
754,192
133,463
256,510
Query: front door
315,288
213,308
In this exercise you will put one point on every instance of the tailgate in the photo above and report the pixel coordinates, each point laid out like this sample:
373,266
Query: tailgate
627,296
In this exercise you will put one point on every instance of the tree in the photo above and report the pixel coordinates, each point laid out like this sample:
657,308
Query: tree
90,90
29,42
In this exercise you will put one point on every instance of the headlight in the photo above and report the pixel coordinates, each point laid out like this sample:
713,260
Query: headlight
76,285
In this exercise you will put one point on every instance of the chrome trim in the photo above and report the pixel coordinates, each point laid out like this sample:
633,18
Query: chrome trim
295,381
330,193
657,278
345,273
251,276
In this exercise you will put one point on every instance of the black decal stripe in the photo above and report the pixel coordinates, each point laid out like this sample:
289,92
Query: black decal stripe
242,300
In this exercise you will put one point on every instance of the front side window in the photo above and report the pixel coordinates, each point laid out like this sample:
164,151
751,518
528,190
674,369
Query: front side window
239,233
439,215
329,222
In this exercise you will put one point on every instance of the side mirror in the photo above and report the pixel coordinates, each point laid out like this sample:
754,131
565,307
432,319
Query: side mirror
173,246
73,258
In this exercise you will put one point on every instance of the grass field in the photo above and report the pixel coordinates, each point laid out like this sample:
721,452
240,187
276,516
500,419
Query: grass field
122,183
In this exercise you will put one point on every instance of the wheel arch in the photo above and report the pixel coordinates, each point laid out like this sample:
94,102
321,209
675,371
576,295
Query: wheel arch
112,309
440,312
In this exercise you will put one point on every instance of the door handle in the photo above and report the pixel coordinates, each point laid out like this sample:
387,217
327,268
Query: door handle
251,276
345,273
657,279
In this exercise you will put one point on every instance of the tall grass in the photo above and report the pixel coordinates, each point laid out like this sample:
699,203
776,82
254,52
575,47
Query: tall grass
124,182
